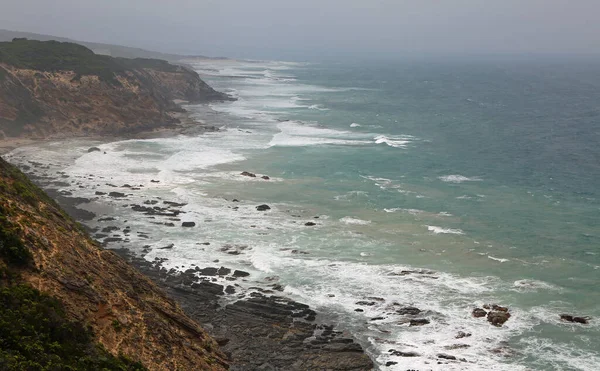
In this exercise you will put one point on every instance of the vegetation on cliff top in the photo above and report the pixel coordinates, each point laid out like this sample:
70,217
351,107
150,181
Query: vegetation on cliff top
51,56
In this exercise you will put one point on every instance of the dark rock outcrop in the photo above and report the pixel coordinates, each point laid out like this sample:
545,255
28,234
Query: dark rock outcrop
575,319
263,207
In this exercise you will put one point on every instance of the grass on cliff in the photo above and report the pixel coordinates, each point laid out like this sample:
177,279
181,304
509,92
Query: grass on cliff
52,56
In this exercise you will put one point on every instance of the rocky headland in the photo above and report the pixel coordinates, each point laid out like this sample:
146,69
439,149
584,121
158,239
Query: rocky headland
54,89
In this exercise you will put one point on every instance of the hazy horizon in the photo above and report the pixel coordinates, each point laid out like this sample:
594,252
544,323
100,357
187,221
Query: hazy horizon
325,29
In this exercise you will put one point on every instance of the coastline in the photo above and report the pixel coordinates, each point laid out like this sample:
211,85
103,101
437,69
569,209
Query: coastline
262,330
187,126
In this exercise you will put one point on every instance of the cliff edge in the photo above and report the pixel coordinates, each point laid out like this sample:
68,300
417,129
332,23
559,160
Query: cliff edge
66,302
50,88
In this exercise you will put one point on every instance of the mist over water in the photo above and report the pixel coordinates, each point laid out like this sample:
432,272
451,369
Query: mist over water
442,186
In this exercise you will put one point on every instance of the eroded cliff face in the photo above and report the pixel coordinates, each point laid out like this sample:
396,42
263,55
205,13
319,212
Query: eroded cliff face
39,104
126,312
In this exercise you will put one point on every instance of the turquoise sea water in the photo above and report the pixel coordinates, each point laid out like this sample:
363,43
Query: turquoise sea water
480,178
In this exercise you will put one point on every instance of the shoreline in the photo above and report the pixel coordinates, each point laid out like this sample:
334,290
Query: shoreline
187,125
259,329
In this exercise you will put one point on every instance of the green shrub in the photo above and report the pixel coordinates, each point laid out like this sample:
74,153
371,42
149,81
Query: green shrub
36,335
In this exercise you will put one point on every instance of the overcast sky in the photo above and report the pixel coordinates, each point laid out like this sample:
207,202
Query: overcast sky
328,28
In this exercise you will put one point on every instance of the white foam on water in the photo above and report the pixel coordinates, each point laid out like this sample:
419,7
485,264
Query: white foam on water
355,221
501,260
296,134
458,179
354,125
401,141
533,285
440,230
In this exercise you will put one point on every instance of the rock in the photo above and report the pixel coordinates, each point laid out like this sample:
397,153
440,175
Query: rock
495,307
359,310
574,319
265,177
188,224
462,334
230,290
310,224
116,194
167,247
446,356
418,322
223,271
238,273
390,363
377,318
210,271
478,313
403,354
94,149
409,311
367,303
249,174
497,318
221,341
235,200
154,181
263,207
98,193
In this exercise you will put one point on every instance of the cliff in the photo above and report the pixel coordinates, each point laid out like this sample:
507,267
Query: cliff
64,89
66,302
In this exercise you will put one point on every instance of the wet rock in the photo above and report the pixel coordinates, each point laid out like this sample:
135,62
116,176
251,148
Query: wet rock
403,354
377,318
263,207
235,200
365,303
390,363
412,311
265,177
110,229
238,273
575,319
116,194
230,290
478,313
223,271
418,322
248,174
94,149
174,204
359,310
188,224
495,307
107,219
98,193
310,224
209,287
462,334
446,356
167,247
210,271
498,318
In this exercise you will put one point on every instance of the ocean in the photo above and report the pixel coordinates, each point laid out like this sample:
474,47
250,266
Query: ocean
440,185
